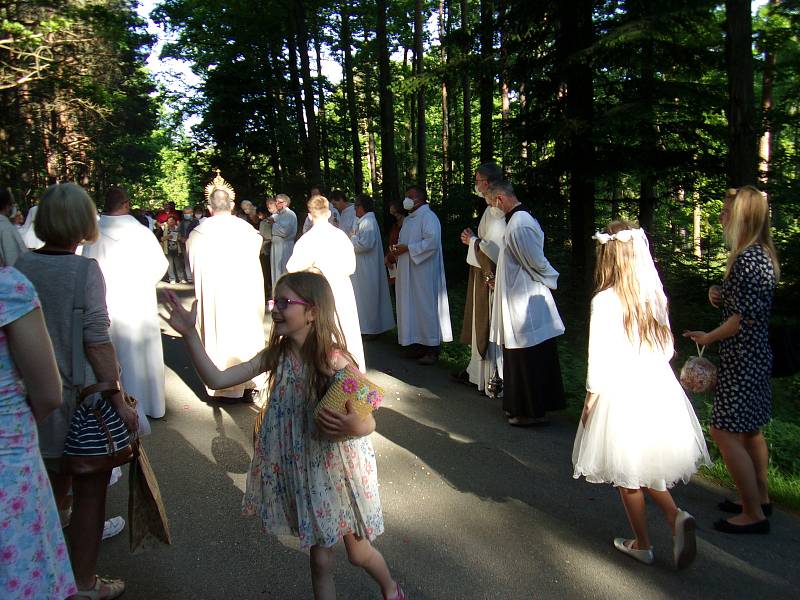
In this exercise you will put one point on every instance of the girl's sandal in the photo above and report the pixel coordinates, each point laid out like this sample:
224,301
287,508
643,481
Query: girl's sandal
104,589
400,595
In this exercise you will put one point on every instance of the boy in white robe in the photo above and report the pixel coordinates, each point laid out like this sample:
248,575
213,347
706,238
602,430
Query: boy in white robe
370,283
328,249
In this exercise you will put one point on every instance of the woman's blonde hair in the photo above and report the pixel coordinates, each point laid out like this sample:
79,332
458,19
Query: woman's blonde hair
748,225
323,340
66,216
615,267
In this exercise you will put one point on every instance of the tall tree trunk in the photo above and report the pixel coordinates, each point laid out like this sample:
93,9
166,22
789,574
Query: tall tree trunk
467,99
575,36
373,159
486,83
506,106
391,193
697,225
308,92
352,110
408,124
445,116
765,142
294,79
271,100
419,56
743,149
323,124
649,138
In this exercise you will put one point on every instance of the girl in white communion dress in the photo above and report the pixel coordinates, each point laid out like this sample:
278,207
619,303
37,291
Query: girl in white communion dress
638,430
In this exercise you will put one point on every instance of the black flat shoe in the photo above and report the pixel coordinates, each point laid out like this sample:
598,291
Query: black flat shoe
726,526
735,509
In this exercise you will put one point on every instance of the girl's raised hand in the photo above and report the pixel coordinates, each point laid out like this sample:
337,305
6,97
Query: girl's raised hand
180,319
350,425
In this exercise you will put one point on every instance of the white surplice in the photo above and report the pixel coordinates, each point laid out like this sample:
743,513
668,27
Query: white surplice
328,249
28,233
347,219
524,312
284,230
133,263
423,310
491,231
229,286
370,284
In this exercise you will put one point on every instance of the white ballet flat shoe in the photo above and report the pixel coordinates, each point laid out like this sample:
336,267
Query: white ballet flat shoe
643,556
684,544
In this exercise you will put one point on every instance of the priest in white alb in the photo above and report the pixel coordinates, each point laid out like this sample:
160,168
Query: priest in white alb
223,252
133,263
423,310
327,249
525,320
284,231
370,281
486,357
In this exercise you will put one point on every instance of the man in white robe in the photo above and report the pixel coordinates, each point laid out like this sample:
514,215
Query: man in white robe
423,310
329,250
483,251
284,231
525,320
347,212
133,263
223,251
370,283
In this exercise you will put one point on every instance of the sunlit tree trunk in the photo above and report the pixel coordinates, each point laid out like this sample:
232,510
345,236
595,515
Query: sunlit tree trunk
352,107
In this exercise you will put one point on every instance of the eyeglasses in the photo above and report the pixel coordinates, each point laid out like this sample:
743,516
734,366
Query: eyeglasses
283,303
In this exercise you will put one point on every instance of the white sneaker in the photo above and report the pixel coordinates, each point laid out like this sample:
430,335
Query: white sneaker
112,527
684,544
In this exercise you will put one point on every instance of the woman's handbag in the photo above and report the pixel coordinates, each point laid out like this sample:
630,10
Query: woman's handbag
147,517
698,374
98,440
350,384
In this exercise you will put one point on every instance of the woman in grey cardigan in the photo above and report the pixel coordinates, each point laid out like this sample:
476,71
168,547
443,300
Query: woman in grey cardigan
67,217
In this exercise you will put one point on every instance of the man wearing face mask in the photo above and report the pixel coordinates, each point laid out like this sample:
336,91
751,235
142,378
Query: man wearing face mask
11,244
482,254
423,311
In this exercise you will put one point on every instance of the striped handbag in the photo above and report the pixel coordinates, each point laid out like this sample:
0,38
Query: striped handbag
98,439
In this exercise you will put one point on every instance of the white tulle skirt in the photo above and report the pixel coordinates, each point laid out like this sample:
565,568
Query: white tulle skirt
644,434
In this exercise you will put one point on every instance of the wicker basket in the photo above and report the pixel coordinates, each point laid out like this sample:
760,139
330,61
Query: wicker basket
350,384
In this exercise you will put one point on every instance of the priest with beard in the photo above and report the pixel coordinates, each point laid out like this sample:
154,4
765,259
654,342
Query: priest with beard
223,252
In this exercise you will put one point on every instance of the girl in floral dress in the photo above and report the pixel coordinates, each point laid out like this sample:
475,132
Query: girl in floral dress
34,564
300,481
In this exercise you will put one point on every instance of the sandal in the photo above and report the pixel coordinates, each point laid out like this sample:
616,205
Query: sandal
400,595
104,588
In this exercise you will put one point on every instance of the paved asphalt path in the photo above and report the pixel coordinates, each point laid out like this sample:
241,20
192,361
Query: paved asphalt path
473,508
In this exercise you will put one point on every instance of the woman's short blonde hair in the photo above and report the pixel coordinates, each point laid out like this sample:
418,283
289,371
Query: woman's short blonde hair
66,216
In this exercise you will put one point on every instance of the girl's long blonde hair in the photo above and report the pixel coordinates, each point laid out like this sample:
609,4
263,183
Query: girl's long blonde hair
616,268
748,225
323,340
